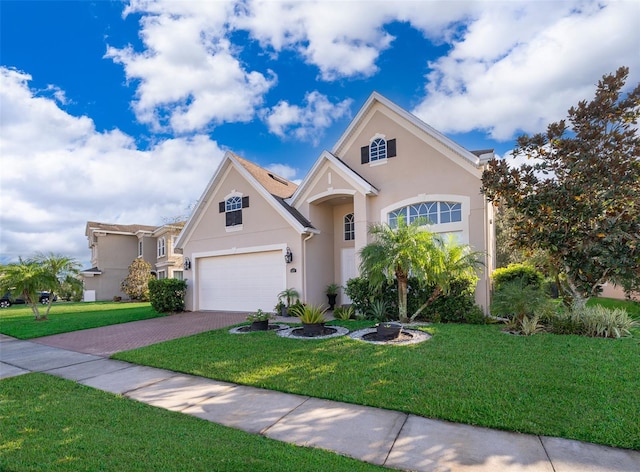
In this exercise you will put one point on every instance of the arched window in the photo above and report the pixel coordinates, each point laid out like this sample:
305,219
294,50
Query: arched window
233,203
378,150
433,213
349,228
232,207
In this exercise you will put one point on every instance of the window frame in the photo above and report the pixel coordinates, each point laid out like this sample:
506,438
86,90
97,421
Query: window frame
463,208
162,247
349,227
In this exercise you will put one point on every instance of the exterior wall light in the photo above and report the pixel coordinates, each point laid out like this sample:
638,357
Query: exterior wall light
288,256
187,263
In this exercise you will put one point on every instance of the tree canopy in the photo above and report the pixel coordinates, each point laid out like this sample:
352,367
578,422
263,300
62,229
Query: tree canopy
579,197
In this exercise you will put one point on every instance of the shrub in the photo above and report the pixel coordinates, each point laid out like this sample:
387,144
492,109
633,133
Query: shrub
167,295
378,311
517,299
343,313
528,274
454,307
451,308
594,321
475,316
309,314
136,285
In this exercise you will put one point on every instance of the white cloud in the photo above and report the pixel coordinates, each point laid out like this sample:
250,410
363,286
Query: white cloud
188,76
306,123
519,66
342,40
59,172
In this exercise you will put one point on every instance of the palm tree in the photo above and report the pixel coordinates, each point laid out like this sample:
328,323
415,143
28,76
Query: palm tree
62,269
411,249
25,278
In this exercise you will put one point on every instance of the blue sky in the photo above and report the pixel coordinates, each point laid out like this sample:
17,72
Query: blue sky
120,111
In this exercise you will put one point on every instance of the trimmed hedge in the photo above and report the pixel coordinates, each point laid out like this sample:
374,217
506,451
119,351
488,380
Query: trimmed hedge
528,274
167,295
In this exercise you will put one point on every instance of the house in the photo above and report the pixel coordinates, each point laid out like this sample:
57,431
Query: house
254,233
113,249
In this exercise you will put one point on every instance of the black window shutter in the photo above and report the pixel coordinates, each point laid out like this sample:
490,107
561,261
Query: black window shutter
364,154
245,202
229,218
221,206
391,148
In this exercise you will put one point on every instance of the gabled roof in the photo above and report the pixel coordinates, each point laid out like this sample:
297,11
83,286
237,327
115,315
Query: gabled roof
356,179
118,228
271,186
376,98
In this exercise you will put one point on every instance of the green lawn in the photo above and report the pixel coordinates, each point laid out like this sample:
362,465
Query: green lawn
565,386
44,430
17,321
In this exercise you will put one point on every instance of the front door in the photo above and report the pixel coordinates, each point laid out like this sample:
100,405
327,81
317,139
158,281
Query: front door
348,271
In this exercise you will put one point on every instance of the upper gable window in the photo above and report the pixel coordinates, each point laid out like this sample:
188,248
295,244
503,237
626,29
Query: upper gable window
349,228
232,208
433,213
162,247
379,150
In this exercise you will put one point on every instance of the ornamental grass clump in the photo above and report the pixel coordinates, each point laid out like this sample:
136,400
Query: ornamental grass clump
309,314
600,322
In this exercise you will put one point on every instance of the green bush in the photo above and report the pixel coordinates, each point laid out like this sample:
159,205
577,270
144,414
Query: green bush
451,308
167,295
517,299
528,274
457,306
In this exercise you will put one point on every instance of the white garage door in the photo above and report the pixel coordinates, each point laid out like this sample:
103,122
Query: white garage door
241,282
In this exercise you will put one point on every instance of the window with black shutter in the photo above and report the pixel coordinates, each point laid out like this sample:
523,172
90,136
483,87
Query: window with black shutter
232,208
379,150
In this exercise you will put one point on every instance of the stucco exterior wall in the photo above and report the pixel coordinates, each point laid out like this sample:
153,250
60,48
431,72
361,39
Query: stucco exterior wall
262,225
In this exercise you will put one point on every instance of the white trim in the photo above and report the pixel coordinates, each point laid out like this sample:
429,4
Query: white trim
329,193
196,256
234,228
342,169
242,250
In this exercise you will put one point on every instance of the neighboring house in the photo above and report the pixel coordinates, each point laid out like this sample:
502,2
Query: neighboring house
114,247
254,233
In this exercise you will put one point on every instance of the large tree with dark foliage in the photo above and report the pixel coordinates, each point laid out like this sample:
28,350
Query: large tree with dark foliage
579,198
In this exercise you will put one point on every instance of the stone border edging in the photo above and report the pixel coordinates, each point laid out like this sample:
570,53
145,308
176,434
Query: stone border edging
418,337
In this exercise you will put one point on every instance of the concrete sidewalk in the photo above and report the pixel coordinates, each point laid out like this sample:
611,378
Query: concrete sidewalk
389,438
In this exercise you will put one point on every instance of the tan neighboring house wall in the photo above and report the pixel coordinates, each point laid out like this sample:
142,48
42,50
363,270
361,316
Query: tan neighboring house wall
114,247
242,267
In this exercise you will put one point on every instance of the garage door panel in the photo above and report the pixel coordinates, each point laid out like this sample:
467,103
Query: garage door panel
241,282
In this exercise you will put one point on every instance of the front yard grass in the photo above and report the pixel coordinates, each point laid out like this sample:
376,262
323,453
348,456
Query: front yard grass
17,321
554,385
44,429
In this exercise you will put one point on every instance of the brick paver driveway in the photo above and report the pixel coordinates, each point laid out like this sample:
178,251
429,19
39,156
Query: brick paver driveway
108,340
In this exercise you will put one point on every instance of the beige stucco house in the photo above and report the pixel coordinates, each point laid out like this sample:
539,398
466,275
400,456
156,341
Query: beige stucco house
113,249
254,233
